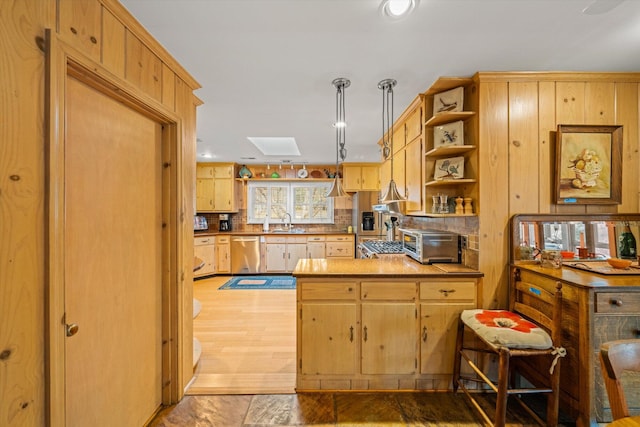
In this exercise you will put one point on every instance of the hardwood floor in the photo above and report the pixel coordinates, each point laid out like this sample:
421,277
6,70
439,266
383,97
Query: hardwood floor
248,340
246,376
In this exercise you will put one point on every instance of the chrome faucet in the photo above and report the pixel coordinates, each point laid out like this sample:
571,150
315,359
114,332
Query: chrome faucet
287,225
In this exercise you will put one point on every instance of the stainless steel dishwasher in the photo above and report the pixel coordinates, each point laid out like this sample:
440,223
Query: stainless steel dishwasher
245,254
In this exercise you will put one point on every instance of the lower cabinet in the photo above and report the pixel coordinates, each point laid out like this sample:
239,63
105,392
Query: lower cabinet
440,306
283,253
223,252
374,334
340,246
205,249
316,247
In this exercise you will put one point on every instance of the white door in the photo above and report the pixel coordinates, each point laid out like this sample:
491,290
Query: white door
113,261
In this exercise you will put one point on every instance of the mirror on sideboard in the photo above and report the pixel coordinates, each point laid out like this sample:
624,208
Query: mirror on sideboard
582,237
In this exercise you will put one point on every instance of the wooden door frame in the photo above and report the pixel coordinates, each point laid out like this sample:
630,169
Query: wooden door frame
63,61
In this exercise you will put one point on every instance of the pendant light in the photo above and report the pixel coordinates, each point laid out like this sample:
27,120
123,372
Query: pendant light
340,124
392,195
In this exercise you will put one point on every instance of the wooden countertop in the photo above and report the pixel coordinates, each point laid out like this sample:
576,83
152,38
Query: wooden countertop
580,277
386,267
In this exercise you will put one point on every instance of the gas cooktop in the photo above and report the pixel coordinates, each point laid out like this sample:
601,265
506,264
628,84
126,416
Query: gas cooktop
383,246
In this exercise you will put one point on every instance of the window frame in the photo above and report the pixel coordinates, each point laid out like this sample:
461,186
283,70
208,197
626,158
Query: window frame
289,204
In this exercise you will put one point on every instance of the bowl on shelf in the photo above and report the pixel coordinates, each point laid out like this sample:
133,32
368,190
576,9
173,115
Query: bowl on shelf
619,263
568,254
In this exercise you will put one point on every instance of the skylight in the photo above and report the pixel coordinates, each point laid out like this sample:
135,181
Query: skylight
276,145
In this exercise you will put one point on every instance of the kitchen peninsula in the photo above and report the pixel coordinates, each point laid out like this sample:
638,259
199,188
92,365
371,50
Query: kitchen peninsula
379,324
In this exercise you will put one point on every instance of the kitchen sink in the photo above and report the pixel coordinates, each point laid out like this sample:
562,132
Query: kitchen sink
290,231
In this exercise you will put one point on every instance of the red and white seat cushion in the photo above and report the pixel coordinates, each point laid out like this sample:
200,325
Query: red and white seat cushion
506,329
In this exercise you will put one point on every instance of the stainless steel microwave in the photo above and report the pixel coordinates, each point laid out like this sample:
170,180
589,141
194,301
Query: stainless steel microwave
431,246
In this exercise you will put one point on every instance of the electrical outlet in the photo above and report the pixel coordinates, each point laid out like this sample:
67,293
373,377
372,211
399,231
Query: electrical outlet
464,242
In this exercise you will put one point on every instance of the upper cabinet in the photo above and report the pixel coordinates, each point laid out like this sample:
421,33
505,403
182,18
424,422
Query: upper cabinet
215,187
407,167
361,176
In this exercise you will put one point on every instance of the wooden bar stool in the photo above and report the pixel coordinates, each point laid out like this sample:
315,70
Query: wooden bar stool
524,338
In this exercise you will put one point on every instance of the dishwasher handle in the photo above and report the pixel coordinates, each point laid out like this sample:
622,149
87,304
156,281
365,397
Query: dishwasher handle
244,239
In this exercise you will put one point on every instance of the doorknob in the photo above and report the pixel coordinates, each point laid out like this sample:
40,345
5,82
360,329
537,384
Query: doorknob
72,329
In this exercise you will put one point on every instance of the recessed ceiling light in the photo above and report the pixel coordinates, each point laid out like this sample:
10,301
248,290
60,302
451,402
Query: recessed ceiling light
398,8
276,146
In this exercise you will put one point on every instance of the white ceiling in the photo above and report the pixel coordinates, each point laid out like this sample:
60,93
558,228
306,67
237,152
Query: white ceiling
266,66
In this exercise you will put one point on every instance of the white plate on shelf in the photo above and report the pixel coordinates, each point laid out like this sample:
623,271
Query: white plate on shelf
303,173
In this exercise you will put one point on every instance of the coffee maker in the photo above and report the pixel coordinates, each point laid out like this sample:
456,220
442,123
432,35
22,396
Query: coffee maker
225,223
368,221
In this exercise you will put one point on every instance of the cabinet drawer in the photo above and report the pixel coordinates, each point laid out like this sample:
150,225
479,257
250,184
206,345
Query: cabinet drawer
618,302
339,249
222,239
200,241
340,239
324,290
279,239
388,291
462,290
611,328
315,239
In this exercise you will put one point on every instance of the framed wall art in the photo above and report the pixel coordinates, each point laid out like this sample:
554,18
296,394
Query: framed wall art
450,100
452,168
448,134
588,164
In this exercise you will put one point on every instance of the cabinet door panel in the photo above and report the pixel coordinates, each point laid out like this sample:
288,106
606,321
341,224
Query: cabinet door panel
438,329
414,125
413,173
295,251
204,191
328,330
276,257
389,339
207,253
223,258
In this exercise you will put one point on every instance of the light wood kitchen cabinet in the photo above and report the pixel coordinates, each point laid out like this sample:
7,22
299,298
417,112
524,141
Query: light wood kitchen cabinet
283,252
205,249
340,246
316,247
413,176
401,330
361,176
328,329
389,318
223,254
215,187
441,302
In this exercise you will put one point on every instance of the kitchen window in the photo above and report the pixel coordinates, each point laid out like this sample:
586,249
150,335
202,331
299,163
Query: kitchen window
306,202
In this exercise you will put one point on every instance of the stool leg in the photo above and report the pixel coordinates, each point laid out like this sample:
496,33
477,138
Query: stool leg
458,357
553,399
503,383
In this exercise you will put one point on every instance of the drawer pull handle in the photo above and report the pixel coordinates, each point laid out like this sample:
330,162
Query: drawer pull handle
616,302
365,334
446,292
424,334
351,334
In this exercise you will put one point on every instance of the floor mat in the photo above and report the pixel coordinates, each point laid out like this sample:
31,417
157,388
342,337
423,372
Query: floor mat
260,282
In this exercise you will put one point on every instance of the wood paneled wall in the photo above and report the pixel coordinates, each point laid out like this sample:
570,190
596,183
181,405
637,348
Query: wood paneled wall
519,115
24,174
